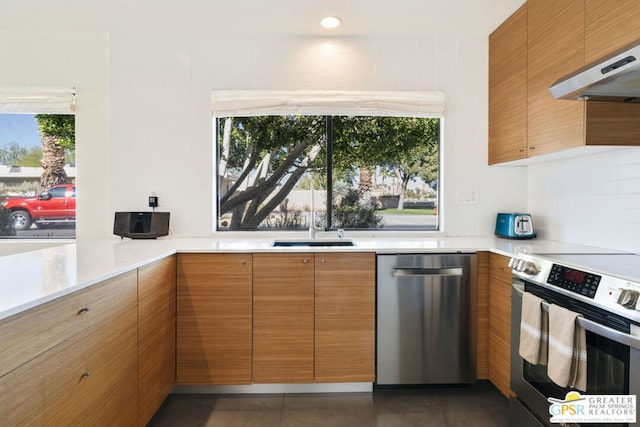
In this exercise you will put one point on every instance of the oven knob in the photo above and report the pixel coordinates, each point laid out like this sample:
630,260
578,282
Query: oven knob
526,267
628,298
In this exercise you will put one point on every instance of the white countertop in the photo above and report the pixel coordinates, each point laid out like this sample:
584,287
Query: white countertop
32,278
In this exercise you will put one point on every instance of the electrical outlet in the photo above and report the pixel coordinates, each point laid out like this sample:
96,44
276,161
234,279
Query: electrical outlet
153,201
469,196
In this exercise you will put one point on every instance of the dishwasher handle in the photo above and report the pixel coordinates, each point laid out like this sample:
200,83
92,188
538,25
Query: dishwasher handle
422,271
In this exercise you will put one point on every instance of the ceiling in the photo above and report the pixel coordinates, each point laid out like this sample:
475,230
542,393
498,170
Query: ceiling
369,18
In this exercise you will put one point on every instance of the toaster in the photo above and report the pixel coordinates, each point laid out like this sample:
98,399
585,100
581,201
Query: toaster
514,226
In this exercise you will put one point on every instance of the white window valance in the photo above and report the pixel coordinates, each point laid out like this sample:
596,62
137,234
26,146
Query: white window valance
37,100
237,103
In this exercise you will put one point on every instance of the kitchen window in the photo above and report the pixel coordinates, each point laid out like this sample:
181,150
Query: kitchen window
351,160
37,163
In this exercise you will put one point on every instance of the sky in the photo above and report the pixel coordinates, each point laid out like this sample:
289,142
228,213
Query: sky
20,128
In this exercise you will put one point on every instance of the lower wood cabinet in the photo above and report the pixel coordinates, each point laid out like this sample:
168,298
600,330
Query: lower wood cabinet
344,317
156,335
283,312
214,319
500,322
275,318
90,378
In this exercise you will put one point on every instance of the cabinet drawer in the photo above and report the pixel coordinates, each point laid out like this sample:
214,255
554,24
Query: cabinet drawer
28,334
499,268
88,379
93,377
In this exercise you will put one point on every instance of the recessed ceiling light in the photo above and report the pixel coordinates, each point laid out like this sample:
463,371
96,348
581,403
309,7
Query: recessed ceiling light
330,22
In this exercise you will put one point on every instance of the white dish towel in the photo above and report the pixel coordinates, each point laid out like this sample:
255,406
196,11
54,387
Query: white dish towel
533,330
567,365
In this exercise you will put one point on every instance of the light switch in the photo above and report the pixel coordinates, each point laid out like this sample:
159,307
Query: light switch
468,196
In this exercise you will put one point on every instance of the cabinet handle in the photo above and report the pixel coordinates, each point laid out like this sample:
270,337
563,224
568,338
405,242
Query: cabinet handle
521,150
305,261
323,260
243,262
85,374
84,310
531,147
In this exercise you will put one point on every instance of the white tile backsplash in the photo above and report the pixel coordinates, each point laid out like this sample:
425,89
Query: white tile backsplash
592,199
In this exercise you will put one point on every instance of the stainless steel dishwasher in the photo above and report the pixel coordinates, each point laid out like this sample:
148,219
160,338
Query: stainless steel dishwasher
426,330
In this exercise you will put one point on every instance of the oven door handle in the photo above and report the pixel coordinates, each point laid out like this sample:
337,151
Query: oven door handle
609,333
598,329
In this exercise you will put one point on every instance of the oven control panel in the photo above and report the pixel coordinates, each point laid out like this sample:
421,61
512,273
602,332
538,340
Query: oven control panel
577,281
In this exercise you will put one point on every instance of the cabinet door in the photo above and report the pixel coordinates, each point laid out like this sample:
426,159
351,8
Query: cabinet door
156,335
499,322
344,317
508,89
555,49
214,319
283,318
610,25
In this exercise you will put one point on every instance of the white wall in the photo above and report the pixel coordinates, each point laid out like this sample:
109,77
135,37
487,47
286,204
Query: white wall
161,126
144,121
67,59
592,200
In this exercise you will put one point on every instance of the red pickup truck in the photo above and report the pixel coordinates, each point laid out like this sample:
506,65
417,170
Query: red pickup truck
56,204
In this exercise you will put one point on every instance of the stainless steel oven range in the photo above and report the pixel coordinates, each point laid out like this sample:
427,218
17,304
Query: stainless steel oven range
605,290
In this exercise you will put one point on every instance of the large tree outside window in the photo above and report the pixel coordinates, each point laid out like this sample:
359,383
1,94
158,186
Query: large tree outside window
352,171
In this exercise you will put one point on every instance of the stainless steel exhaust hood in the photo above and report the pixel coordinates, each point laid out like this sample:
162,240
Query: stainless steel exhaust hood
615,78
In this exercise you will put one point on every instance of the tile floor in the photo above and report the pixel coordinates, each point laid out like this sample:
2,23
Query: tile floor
478,405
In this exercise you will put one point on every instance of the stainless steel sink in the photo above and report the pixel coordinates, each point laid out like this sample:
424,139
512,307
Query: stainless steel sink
312,243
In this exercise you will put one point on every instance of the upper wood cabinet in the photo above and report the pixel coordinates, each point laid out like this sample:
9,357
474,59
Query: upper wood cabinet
344,317
156,335
610,25
214,320
508,89
555,48
283,311
558,37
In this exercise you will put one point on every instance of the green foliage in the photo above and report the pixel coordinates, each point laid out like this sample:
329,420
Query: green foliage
267,155
13,154
356,217
60,126
24,189
351,214
6,228
288,219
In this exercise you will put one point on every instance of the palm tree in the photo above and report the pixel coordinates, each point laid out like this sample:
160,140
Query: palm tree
57,133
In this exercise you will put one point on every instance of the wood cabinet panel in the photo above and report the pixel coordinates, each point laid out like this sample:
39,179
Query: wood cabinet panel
28,334
156,335
555,48
89,379
610,25
612,123
344,317
508,89
283,317
499,322
93,378
214,315
482,349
